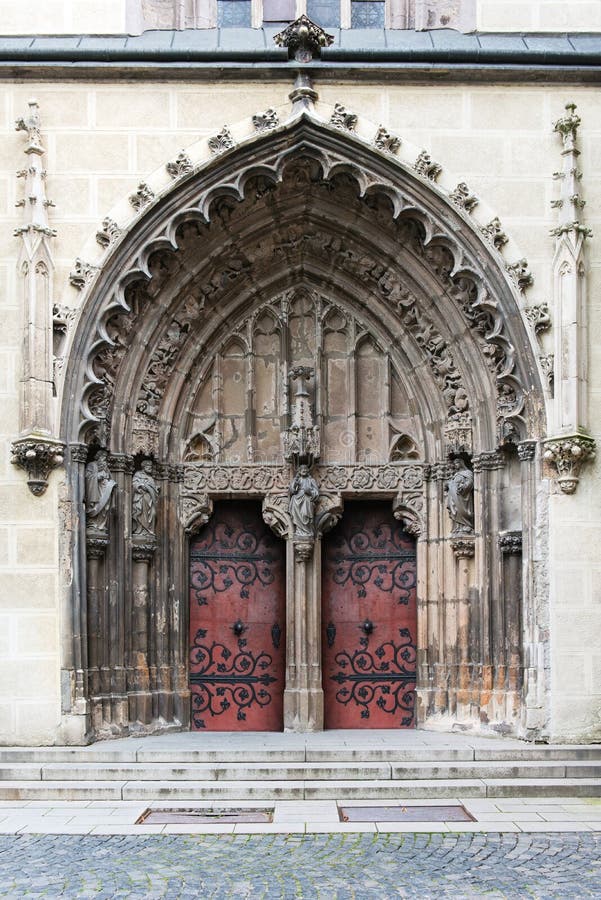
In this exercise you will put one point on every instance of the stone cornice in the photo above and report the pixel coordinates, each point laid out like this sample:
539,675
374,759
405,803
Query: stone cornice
406,53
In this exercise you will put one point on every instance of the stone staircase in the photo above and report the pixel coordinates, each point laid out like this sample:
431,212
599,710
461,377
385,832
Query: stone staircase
331,765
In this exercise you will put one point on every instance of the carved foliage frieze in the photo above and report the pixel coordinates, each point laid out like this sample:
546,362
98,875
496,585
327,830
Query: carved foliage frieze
332,479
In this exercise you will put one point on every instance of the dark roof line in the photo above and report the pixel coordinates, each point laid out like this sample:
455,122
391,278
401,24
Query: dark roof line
363,46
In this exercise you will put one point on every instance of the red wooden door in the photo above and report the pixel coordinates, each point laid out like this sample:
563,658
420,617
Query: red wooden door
237,617
369,620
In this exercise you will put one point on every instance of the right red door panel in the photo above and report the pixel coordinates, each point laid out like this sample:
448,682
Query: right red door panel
369,591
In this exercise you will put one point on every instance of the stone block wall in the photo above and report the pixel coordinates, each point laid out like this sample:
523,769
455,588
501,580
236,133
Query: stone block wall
102,140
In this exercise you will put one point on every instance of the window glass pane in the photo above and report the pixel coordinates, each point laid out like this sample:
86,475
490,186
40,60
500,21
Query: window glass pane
324,12
279,10
233,13
367,14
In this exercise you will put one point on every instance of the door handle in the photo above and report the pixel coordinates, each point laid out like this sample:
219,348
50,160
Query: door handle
367,626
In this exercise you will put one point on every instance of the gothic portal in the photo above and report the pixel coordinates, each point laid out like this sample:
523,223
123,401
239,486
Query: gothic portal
301,408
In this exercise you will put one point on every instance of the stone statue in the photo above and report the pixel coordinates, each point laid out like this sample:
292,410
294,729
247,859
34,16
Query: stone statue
304,494
99,490
144,501
460,498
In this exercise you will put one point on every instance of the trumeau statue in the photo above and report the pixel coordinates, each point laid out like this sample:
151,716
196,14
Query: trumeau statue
99,490
144,501
304,494
460,498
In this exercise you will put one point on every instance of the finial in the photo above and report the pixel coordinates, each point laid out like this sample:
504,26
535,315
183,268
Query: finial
304,40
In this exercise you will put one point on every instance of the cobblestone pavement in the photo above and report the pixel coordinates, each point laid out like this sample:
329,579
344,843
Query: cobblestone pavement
332,867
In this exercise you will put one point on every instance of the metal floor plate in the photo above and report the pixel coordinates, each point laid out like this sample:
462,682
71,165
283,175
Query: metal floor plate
203,816
455,813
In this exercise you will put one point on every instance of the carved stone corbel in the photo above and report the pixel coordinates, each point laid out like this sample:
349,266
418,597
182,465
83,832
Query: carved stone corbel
409,509
329,512
38,456
194,510
567,455
276,515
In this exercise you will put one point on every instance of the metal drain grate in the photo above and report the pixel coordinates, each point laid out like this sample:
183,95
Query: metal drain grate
203,816
455,813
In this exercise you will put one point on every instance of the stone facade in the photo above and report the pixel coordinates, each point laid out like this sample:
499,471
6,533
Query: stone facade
454,347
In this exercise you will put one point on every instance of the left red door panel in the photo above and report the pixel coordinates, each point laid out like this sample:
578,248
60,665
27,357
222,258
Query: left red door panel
237,621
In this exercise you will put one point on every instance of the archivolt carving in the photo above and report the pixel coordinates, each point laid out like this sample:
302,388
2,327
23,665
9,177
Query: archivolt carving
404,213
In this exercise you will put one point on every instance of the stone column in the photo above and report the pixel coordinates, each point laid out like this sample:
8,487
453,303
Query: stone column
118,576
464,549
510,544
140,701
303,694
96,544
534,614
145,493
74,690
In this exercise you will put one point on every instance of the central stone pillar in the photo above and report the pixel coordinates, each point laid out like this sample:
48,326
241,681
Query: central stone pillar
303,694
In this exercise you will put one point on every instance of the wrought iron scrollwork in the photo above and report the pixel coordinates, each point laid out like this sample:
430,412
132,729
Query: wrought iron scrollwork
276,635
330,634
382,556
221,679
225,557
384,677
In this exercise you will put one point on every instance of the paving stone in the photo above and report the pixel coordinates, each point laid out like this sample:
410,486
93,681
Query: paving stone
335,866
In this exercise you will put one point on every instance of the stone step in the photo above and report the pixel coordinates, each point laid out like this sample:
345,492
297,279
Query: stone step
412,752
298,790
197,772
279,771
